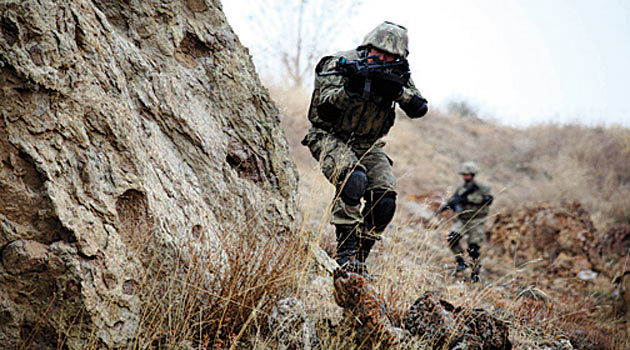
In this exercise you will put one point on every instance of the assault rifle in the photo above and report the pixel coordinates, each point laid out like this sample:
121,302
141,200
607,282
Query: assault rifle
347,68
397,71
456,202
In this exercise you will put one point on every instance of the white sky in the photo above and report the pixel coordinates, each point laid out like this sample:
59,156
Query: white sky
521,62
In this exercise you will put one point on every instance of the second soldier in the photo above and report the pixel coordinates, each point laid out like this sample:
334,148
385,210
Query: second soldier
471,202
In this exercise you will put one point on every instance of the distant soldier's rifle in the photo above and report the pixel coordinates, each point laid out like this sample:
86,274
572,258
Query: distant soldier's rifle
458,199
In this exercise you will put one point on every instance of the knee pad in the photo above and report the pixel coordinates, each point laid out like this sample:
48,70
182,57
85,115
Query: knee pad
354,187
379,209
473,251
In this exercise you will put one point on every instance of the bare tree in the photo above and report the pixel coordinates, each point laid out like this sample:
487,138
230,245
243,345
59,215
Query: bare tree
291,35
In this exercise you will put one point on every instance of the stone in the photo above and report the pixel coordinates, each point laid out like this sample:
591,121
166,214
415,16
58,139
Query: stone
133,135
430,322
290,325
586,275
432,319
362,303
24,256
443,325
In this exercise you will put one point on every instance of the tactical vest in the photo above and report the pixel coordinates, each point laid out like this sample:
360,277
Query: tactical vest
474,208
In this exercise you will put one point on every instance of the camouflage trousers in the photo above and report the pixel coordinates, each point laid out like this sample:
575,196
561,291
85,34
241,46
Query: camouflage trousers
473,230
337,160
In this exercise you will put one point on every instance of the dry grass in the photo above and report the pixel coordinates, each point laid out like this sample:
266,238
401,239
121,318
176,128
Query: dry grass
544,163
205,304
190,300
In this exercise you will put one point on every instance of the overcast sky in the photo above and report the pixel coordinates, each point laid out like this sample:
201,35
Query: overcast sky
521,62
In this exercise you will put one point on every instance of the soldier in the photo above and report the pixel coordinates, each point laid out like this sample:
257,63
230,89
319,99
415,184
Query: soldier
350,113
471,202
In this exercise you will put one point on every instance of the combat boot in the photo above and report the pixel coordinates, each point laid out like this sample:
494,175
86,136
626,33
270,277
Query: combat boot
475,268
365,246
347,243
461,265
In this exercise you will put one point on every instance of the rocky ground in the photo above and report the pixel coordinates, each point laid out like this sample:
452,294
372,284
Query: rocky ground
552,271
540,284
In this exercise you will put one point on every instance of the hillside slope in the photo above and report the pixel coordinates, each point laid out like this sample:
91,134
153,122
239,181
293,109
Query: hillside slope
542,163
541,171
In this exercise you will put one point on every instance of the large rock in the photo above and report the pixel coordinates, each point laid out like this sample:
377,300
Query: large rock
446,326
553,233
128,130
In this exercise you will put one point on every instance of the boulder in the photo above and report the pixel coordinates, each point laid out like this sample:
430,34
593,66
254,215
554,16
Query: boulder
443,325
554,233
132,134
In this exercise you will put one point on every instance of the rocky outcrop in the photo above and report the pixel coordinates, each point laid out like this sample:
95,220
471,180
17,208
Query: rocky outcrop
562,236
129,130
565,237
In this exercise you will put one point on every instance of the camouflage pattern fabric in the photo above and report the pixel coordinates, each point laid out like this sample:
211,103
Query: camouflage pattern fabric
348,127
351,118
473,230
388,37
471,222
346,134
474,208
469,168
337,160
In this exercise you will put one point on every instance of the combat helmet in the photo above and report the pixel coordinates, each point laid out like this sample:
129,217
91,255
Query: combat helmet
388,37
469,168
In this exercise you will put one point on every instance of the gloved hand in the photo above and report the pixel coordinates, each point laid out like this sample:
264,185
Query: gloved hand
388,86
355,83
415,108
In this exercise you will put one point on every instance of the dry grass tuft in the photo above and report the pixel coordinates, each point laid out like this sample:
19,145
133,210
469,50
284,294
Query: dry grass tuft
220,302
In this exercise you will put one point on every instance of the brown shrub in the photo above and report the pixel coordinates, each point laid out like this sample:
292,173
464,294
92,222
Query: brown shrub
217,302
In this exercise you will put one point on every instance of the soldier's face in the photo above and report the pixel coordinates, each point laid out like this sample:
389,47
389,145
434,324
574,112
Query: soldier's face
468,177
383,56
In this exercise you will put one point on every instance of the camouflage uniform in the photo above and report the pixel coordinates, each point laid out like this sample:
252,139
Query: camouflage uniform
347,128
472,211
471,222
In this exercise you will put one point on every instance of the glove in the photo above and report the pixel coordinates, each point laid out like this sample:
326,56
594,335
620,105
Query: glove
355,83
416,107
487,199
388,86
